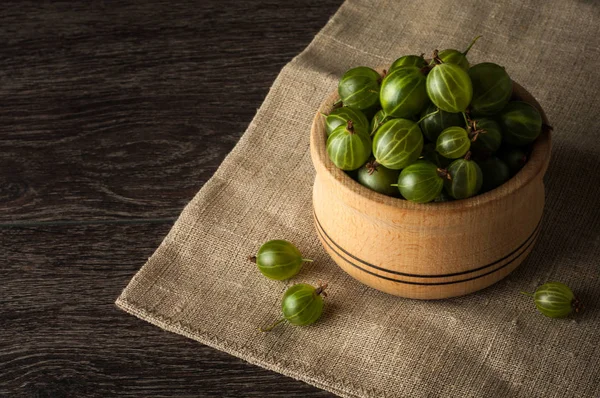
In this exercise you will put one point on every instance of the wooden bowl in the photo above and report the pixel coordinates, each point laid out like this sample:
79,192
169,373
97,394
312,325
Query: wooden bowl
434,250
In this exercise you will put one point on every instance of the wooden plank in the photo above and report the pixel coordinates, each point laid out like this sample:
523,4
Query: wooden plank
62,336
123,111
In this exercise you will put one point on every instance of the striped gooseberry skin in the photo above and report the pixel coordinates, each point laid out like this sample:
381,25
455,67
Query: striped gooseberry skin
348,148
492,88
378,120
453,143
521,123
397,143
429,153
302,304
554,299
451,56
359,88
340,116
420,182
490,139
449,88
435,123
403,92
279,259
409,60
466,179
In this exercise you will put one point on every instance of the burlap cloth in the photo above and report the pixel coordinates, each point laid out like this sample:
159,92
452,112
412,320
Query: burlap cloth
369,344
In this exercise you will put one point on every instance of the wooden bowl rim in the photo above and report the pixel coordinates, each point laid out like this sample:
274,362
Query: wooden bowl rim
535,167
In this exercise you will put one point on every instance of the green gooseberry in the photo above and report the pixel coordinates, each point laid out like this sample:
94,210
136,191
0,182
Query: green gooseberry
421,182
433,123
403,93
451,56
555,300
492,88
453,142
495,173
279,259
359,88
397,143
348,148
486,136
409,60
466,178
521,123
429,153
515,159
302,304
378,178
449,88
378,120
340,116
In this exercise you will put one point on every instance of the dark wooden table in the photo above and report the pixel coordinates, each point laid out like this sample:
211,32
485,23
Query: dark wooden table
112,116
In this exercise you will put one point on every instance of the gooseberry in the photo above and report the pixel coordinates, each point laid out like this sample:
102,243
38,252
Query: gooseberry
453,143
279,259
340,116
403,93
378,178
521,123
555,300
347,148
451,56
486,136
429,153
422,181
466,178
301,305
433,123
409,60
515,159
449,88
359,88
397,143
379,119
492,88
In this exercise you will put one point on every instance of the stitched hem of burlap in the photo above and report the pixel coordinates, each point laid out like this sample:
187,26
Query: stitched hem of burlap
291,368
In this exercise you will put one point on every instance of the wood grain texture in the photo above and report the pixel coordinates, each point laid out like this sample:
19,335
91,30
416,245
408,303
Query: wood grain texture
432,250
124,111
113,116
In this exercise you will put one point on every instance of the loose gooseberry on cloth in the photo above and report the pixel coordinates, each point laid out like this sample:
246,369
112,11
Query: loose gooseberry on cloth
378,178
453,143
340,116
348,148
359,88
452,56
403,93
492,88
279,259
449,88
466,178
301,305
422,182
555,300
521,123
397,143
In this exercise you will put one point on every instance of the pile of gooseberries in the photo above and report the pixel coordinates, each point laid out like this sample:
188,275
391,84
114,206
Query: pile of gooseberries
431,131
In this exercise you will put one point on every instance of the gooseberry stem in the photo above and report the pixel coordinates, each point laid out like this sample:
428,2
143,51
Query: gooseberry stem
321,289
324,114
252,258
471,45
264,330
466,120
307,260
350,127
527,294
393,185
468,155
429,114
338,102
